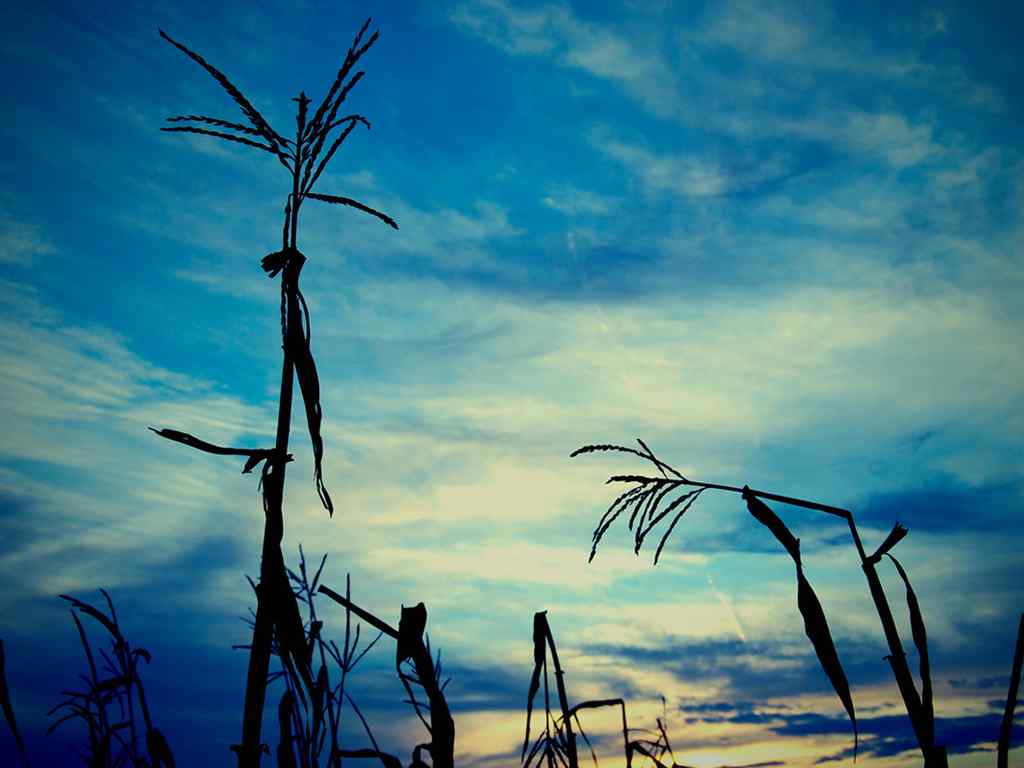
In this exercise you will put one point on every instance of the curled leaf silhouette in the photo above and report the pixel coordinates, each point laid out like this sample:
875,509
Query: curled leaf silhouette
895,537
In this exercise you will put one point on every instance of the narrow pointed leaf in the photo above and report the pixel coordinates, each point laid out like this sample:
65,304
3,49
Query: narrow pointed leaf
285,753
339,200
309,384
219,135
214,121
94,613
353,55
661,545
815,624
920,636
816,627
247,108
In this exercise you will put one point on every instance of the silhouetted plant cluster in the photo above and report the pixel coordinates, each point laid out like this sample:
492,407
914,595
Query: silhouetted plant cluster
112,704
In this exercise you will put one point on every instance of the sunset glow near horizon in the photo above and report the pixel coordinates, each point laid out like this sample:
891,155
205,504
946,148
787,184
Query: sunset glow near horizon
779,242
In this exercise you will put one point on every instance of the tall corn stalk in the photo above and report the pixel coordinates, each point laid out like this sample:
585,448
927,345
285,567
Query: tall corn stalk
643,500
305,157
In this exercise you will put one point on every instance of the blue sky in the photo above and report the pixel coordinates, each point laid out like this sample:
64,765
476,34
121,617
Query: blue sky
780,242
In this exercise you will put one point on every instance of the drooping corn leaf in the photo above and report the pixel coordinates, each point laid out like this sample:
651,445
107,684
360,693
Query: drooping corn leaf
309,385
816,628
815,624
764,515
339,200
295,331
920,636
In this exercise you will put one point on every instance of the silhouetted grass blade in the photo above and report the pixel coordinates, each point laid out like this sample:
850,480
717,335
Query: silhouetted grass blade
5,704
339,200
920,636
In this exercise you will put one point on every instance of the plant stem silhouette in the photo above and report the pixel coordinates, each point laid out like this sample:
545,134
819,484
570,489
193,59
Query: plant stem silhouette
305,158
1006,727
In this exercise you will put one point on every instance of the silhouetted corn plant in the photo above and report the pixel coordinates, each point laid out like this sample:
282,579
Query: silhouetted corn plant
651,499
416,668
113,704
556,745
305,157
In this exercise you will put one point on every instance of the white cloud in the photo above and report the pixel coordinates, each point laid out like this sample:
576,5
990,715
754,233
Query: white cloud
579,202
633,61
687,175
21,242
